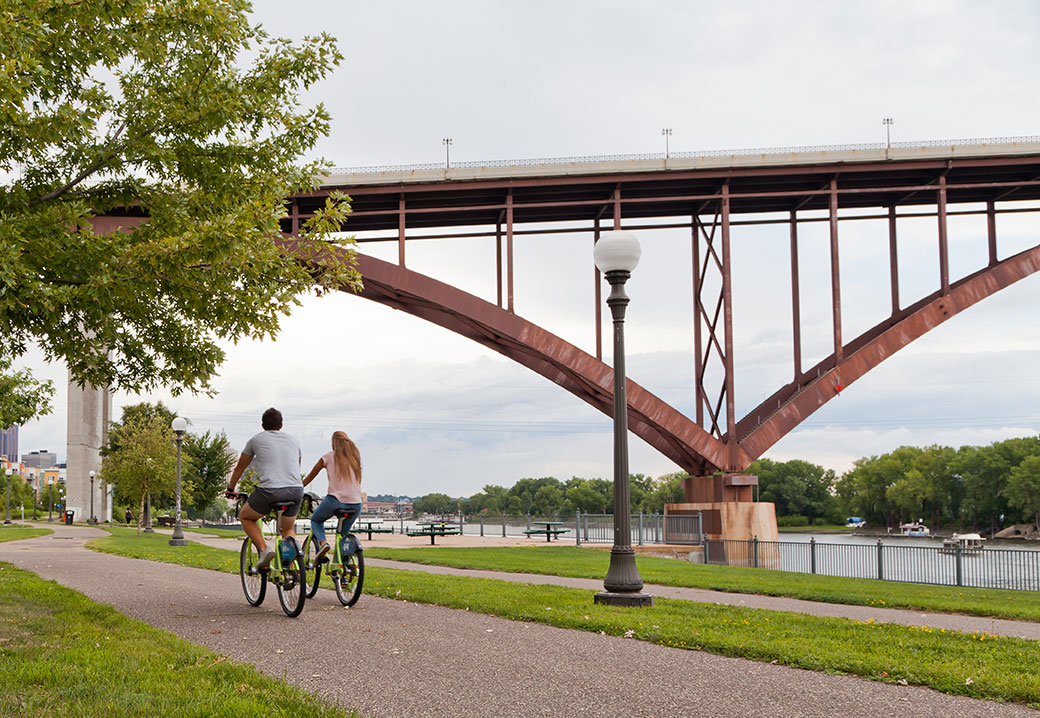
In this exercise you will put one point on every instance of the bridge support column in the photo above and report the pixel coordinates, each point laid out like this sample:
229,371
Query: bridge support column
89,411
727,507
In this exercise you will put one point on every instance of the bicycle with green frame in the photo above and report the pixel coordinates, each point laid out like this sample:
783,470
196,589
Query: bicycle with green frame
345,561
287,575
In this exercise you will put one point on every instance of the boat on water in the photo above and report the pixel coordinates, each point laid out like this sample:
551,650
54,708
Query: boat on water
914,528
969,544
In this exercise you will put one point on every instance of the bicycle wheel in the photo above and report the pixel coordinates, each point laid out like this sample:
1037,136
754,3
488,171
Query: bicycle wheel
254,583
348,584
292,586
311,565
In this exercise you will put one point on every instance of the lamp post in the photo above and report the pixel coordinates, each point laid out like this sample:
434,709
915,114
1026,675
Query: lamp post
179,426
667,132
92,521
617,254
447,142
887,122
7,506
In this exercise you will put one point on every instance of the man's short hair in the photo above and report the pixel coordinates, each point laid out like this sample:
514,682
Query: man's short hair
271,420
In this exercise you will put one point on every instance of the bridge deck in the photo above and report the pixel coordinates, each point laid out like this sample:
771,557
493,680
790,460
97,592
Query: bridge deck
644,187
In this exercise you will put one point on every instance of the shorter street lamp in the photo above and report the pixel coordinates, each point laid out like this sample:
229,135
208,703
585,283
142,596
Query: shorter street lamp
7,507
148,506
667,132
179,425
617,254
447,142
92,521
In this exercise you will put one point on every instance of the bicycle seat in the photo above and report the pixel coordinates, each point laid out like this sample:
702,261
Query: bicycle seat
342,513
282,505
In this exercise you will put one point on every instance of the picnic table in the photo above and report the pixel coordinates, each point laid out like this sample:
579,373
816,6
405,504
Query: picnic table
371,527
549,529
433,529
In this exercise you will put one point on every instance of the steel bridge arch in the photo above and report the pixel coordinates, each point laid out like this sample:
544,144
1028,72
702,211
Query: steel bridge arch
651,418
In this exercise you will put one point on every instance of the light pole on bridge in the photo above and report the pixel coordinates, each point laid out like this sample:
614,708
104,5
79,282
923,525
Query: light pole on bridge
447,142
887,122
617,254
667,132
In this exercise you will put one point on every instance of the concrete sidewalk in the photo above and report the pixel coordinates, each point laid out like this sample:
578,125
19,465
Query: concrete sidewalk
392,658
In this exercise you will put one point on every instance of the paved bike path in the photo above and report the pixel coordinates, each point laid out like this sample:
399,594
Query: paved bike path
392,658
951,622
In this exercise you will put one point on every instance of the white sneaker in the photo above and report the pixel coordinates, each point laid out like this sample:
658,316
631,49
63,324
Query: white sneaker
265,559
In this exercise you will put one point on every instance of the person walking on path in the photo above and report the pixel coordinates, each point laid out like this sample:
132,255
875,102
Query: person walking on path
129,516
343,466
276,458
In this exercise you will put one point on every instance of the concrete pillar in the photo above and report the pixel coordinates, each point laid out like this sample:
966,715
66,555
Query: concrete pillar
89,411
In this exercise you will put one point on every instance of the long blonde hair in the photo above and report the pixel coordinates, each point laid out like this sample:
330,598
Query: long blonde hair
345,453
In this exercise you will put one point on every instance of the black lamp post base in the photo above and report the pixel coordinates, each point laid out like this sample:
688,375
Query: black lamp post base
178,542
628,600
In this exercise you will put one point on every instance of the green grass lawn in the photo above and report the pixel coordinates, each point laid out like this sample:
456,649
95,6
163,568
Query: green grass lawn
13,532
588,563
977,665
65,655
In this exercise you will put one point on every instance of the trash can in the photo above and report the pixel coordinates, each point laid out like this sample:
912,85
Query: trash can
69,515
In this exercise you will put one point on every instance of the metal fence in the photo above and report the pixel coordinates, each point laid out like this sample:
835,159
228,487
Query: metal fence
594,528
988,568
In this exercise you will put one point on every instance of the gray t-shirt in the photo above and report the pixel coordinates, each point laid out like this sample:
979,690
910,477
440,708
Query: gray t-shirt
276,458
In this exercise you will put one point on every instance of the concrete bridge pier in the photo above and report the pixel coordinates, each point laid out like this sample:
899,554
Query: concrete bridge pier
89,411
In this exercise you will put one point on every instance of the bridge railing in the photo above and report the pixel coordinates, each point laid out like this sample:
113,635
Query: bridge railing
745,152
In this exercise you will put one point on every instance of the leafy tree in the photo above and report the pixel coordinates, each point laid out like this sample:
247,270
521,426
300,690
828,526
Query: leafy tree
864,489
909,495
434,504
797,488
145,462
587,495
21,396
135,414
548,500
182,119
665,489
212,460
943,490
1023,488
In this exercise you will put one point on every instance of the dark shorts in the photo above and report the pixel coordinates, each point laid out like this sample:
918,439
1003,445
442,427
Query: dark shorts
262,500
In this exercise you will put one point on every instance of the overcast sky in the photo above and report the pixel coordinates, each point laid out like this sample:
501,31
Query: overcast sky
432,411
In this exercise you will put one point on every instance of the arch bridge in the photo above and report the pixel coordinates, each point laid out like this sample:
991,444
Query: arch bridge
707,196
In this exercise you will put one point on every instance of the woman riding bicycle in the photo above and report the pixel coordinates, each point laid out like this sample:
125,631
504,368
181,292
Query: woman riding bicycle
343,466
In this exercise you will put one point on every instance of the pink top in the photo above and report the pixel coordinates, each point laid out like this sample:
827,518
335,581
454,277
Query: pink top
345,488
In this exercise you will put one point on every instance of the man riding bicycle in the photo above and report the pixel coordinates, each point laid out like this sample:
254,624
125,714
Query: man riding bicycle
276,458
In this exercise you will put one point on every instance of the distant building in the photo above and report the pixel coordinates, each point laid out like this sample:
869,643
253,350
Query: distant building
9,443
386,507
41,459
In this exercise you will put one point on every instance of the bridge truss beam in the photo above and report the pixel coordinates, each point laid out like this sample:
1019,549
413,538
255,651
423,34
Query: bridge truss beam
709,204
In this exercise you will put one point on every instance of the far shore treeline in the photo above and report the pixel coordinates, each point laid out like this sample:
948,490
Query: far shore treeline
970,488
